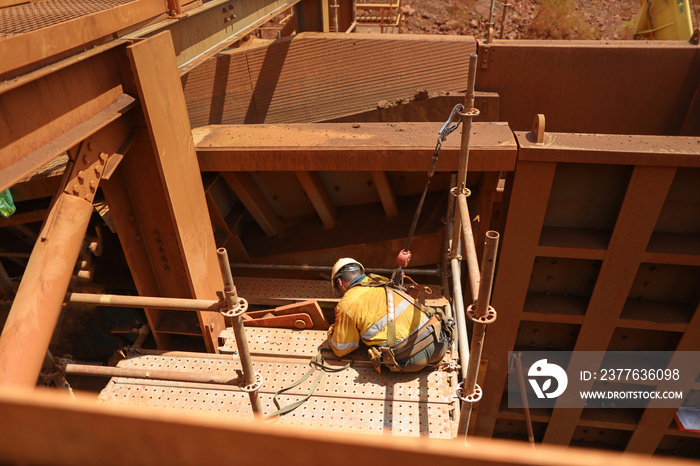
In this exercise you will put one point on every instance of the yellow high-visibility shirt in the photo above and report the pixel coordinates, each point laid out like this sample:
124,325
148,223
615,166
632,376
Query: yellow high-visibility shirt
362,314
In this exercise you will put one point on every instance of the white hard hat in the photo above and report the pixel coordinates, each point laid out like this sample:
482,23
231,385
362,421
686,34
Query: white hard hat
340,263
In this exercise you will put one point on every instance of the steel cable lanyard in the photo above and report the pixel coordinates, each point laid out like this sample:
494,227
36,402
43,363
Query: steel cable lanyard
405,254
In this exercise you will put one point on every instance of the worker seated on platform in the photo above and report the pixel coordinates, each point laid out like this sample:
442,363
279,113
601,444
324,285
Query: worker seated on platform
417,338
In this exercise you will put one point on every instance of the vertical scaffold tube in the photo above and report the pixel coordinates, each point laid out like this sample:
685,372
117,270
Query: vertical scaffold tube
482,315
464,145
460,318
233,302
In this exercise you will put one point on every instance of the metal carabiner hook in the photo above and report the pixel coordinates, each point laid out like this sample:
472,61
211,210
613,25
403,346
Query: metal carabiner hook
447,128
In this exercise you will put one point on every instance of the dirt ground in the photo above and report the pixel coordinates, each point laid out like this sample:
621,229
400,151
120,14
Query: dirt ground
527,19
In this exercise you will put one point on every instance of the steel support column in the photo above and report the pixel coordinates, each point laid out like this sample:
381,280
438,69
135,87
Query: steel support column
30,324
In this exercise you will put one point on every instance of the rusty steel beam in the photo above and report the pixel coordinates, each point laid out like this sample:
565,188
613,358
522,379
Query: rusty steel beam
341,147
386,193
165,186
47,33
653,424
14,168
34,431
254,200
75,102
530,193
640,210
35,310
658,151
319,197
206,29
34,313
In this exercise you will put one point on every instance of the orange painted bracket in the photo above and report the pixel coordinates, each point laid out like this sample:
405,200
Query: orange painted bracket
299,320
287,314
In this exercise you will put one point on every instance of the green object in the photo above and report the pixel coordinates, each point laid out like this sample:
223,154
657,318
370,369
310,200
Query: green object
7,207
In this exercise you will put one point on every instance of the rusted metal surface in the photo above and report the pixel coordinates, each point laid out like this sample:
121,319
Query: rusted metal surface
531,190
306,314
82,95
591,72
653,424
166,192
264,341
274,291
254,201
369,147
677,151
206,28
34,32
551,250
276,75
32,318
319,197
640,210
355,400
159,436
523,393
420,107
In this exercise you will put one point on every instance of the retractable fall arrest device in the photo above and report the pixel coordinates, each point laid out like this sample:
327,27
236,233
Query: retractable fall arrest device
404,256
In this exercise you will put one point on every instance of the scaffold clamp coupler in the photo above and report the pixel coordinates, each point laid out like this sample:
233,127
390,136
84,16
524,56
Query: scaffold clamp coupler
456,191
255,386
471,113
474,397
486,319
237,310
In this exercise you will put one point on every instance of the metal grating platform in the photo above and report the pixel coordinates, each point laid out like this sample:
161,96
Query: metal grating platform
29,17
355,400
275,291
281,342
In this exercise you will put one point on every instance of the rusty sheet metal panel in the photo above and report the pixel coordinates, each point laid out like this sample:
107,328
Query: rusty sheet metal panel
592,86
279,341
36,15
314,76
357,399
275,291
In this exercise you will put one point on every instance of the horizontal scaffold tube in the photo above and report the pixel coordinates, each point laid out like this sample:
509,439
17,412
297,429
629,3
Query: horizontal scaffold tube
145,301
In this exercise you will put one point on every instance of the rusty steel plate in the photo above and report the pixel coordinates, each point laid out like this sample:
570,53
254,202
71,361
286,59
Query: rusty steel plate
274,290
328,413
356,399
277,341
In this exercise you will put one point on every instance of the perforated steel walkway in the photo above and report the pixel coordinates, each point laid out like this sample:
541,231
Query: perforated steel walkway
356,400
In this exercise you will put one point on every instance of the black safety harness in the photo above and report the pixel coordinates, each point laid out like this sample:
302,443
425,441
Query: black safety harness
392,354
